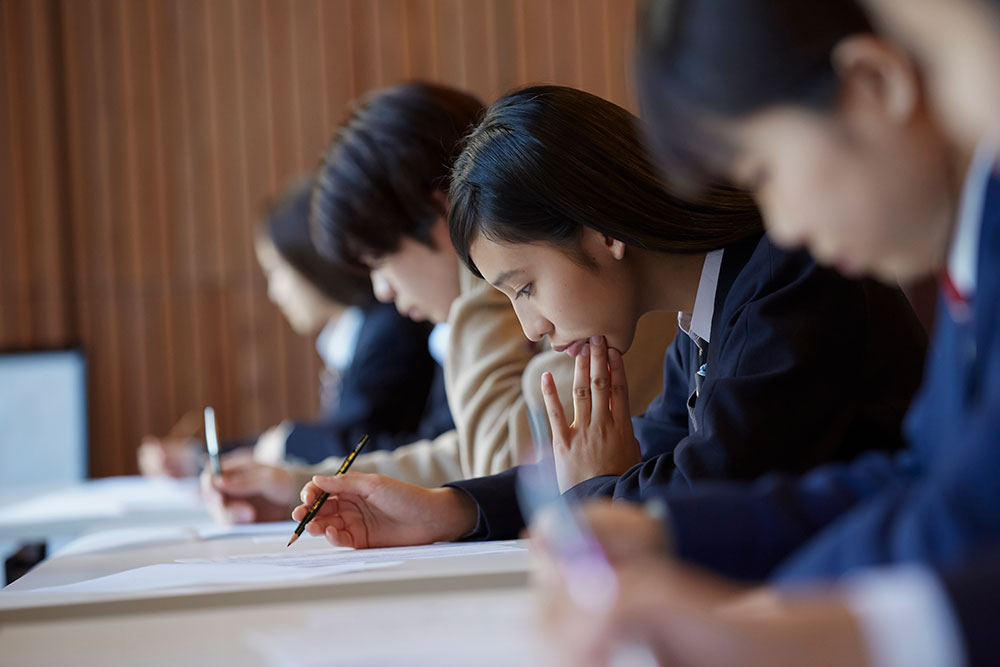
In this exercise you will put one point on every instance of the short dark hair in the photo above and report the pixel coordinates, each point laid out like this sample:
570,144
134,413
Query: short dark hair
701,61
285,223
379,174
547,161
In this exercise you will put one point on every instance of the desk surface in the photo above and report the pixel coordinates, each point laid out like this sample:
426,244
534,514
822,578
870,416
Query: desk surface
21,602
458,629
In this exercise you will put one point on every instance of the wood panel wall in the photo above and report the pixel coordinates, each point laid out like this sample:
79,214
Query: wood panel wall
138,138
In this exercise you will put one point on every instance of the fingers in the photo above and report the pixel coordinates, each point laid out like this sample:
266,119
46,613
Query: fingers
581,389
620,410
600,379
554,409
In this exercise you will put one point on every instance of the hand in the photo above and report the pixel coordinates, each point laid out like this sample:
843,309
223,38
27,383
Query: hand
626,531
248,491
600,440
686,618
172,457
365,511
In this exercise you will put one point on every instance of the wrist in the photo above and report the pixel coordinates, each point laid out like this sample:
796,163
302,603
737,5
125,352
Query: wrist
455,513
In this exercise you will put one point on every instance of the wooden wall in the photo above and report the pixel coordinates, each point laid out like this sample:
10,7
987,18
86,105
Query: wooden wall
138,137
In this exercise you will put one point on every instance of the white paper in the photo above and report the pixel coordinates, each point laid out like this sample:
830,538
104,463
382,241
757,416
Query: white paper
106,498
188,575
318,558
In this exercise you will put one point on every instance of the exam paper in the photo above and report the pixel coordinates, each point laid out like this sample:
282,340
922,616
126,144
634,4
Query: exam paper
318,558
193,575
105,499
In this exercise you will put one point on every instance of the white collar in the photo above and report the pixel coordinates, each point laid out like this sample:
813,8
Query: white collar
437,342
963,257
338,340
698,323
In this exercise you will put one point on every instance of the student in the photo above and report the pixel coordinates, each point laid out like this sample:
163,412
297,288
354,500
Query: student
903,617
378,374
840,146
380,206
778,364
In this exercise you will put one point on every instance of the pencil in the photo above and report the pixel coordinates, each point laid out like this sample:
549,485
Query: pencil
314,510
212,441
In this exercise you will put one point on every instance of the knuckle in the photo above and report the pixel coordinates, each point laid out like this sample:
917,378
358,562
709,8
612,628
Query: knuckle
619,388
581,392
600,383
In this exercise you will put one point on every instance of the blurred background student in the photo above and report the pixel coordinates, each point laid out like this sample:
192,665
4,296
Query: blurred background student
379,376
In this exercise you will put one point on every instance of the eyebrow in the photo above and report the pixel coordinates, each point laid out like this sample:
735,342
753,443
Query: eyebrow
499,280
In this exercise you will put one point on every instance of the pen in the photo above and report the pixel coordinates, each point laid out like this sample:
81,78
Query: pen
212,441
314,510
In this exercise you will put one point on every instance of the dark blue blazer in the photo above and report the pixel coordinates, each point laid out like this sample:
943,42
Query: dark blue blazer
974,592
393,390
937,502
797,374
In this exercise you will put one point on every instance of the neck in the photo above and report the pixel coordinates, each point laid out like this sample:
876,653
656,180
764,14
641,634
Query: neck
666,281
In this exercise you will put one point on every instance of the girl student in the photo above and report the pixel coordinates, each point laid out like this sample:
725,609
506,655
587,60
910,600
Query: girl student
778,364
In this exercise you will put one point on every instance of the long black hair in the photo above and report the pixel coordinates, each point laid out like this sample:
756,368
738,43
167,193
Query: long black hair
547,161
705,61
380,172
285,223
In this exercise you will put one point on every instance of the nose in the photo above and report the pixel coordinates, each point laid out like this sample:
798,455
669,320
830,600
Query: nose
534,325
382,288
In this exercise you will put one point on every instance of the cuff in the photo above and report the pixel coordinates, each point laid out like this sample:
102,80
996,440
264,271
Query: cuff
498,511
905,618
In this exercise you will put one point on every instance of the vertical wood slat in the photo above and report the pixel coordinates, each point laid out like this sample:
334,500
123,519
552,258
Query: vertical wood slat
132,206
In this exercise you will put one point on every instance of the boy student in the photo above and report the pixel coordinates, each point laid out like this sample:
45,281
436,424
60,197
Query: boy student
778,363
889,617
380,206
378,375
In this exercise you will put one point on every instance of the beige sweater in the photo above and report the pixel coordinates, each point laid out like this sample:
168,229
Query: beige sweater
488,362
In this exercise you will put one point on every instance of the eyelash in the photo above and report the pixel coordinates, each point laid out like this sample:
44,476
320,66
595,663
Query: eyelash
524,291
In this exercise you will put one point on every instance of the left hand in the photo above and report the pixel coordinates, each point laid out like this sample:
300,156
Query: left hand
600,441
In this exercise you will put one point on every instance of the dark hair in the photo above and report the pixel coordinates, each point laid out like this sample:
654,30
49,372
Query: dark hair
547,161
378,177
701,61
285,223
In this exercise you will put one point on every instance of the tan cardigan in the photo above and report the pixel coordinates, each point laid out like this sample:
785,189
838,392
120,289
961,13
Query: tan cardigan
488,361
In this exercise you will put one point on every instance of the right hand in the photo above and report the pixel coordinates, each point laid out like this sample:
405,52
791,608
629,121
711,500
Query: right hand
365,511
626,531
248,491
170,457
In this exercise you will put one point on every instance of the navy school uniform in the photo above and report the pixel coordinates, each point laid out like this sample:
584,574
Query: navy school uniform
802,367
393,390
937,502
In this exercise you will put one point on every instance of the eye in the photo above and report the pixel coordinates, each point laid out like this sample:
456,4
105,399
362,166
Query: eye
524,291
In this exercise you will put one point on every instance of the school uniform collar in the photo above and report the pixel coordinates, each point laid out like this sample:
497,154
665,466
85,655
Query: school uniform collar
698,323
959,281
338,340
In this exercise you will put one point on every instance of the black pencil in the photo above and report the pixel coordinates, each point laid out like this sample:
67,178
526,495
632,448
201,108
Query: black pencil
314,510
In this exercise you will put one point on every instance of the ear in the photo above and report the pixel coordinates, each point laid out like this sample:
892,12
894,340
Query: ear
875,72
440,198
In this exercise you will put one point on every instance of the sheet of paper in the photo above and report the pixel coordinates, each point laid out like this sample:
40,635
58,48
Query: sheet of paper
319,558
194,575
106,498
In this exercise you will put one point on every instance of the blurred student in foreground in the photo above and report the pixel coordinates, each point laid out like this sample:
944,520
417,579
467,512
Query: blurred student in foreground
943,54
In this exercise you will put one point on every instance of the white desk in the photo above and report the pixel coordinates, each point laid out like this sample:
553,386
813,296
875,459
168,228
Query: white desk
21,601
455,610
460,629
